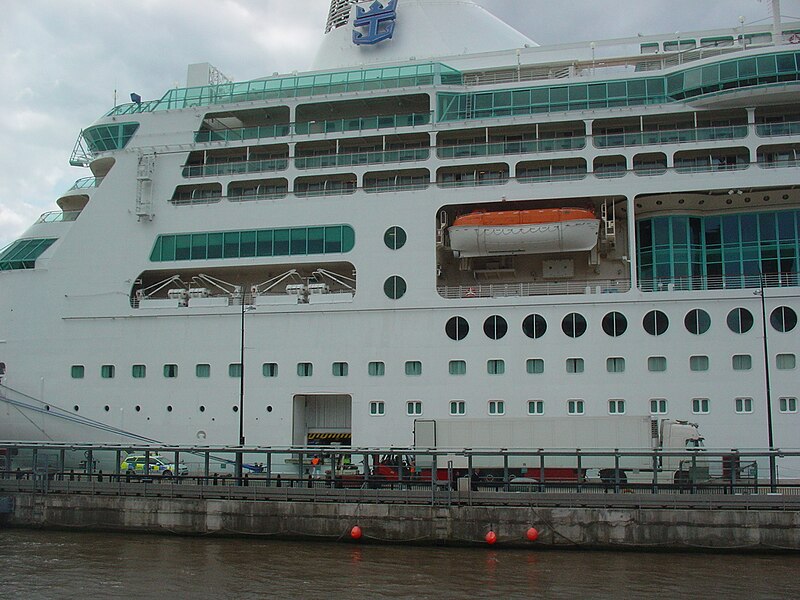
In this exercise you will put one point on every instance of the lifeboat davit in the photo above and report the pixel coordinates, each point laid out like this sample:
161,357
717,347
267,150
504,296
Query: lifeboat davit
537,231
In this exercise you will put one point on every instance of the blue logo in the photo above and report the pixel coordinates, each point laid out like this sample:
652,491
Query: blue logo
379,18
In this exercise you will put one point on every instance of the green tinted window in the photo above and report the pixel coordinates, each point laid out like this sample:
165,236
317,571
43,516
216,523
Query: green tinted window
22,254
298,241
77,371
202,370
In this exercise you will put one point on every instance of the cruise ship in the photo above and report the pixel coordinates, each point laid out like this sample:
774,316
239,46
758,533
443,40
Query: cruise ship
419,230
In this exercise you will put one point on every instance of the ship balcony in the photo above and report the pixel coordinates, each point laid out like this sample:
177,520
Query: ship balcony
77,197
778,129
779,156
473,176
333,185
703,161
396,121
397,181
674,136
236,168
354,159
58,216
556,170
511,147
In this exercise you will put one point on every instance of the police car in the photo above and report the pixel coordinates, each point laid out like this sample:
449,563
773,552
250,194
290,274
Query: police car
135,465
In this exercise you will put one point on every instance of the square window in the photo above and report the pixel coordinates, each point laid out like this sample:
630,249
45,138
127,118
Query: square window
616,407
138,371
269,369
413,367
376,369
235,370
77,371
574,365
575,407
535,407
785,362
787,405
658,406
656,364
377,408
170,371
107,371
495,367
414,408
305,369
701,406
339,369
497,407
458,407
744,405
534,366
615,364
698,363
742,362
202,370
457,367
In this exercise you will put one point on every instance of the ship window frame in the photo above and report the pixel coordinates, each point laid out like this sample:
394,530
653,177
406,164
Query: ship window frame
659,406
495,327
395,237
457,328
534,366
535,407
575,365
235,370
269,369
574,325
395,287
77,371
785,361
495,366
202,370
615,364
377,408
305,369
170,371
740,320
107,371
655,322
783,319
413,368
787,404
576,407
457,367
615,324
742,362
376,368
138,371
701,406
458,408
743,405
340,369
616,406
414,408
657,364
496,408
534,326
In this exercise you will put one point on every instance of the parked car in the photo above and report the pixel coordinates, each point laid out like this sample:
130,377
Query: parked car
134,464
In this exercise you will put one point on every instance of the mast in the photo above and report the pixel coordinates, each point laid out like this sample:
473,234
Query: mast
777,27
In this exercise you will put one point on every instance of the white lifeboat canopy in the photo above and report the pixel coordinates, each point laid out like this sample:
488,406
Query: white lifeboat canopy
420,30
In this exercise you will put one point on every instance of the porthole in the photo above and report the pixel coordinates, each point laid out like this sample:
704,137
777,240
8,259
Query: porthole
783,319
202,408
138,408
106,408
76,408
395,287
697,321
169,408
235,408
394,238
457,328
740,320
495,327
269,408
655,322
615,324
574,325
534,326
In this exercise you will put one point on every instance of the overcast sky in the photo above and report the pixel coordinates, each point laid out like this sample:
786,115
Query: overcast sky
61,60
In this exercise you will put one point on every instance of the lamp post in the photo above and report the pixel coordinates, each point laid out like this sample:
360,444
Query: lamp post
770,437
241,388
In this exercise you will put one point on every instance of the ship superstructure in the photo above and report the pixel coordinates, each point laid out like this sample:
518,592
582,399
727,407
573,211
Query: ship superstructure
519,233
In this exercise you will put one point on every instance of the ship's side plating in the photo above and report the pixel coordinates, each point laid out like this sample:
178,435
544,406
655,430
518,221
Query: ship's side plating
305,227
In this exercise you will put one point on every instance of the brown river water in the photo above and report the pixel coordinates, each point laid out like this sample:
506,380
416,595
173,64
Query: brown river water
55,565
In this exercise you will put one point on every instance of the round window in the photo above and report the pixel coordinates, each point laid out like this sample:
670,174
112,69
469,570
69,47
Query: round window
534,326
740,320
574,325
394,238
697,321
783,319
655,322
395,287
495,327
457,328
615,324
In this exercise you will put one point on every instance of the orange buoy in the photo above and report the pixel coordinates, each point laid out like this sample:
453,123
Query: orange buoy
532,534
491,538
356,533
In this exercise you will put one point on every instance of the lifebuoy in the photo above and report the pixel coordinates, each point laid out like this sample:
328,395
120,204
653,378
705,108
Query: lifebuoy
794,39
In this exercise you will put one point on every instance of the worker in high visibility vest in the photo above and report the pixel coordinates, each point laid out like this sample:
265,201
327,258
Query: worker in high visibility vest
315,463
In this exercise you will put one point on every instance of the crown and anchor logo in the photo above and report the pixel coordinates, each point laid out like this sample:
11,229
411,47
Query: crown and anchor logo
380,19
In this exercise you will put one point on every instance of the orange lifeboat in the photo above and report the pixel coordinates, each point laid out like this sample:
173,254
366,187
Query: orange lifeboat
534,231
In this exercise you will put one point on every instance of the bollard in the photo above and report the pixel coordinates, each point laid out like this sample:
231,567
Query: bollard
278,480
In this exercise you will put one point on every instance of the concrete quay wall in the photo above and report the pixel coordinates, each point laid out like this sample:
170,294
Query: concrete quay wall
458,525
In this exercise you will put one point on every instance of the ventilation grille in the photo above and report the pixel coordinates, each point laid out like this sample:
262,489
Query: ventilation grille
339,14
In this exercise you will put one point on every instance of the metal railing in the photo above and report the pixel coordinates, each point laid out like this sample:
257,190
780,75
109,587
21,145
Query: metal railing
721,282
86,183
674,136
776,129
57,216
545,288
433,473
505,148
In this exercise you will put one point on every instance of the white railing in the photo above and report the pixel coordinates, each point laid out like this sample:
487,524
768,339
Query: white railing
544,288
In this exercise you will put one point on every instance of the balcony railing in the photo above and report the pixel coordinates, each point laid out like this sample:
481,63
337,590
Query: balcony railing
86,183
675,136
235,168
504,148
719,282
58,216
546,288
775,129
